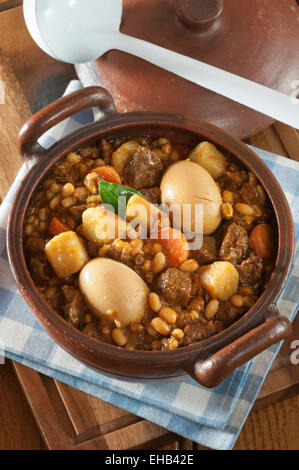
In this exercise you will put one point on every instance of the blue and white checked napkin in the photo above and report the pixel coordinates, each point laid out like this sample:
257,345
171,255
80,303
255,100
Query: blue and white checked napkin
210,417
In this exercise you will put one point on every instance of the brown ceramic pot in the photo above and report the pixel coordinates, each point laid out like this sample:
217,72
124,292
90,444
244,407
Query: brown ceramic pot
254,39
209,361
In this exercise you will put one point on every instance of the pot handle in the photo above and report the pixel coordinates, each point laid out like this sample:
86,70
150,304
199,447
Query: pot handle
212,371
91,97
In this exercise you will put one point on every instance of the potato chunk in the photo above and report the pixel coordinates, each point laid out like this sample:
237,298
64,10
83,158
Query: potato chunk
144,214
220,279
102,225
66,254
209,157
123,155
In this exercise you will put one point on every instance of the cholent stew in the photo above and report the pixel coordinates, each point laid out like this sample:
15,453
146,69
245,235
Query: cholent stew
147,285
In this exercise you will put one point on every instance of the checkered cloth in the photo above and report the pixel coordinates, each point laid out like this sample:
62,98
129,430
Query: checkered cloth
210,417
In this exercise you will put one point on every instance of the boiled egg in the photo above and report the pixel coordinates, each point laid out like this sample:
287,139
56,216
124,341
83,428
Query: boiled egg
186,186
110,287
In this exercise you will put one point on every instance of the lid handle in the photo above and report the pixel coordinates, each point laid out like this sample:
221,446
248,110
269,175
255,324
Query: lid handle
199,15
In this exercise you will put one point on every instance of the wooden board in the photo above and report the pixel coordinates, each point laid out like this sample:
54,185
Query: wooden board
16,415
13,113
70,419
40,76
283,379
8,4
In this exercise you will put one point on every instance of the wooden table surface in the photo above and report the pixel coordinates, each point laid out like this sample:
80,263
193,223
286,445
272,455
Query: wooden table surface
43,79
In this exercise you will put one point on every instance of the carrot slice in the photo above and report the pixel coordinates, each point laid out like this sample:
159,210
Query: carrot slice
108,173
56,227
174,244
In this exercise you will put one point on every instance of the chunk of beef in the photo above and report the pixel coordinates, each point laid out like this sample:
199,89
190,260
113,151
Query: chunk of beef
183,318
227,313
233,179
235,244
249,194
35,246
92,248
250,271
174,286
200,330
74,307
68,293
54,298
207,253
90,152
67,173
77,211
245,222
40,270
61,213
144,170
152,194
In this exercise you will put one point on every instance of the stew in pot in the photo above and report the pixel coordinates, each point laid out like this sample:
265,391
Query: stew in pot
114,263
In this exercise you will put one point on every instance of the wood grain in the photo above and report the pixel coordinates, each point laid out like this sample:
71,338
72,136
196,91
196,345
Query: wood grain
17,427
269,140
68,418
90,416
283,379
14,112
8,4
274,428
41,78
290,138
